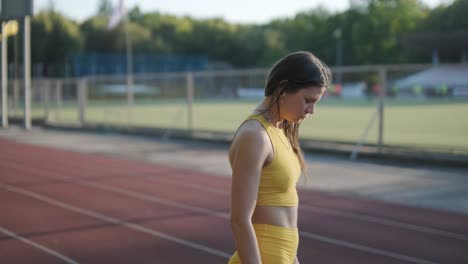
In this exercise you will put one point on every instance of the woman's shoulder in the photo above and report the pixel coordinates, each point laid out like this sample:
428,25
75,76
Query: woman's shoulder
251,132
251,127
251,139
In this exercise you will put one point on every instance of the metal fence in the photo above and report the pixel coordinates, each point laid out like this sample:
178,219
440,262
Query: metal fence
365,109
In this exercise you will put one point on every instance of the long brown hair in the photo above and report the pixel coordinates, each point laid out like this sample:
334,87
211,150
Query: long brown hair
291,73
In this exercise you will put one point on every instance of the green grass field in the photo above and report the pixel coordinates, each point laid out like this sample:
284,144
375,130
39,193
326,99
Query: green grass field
431,123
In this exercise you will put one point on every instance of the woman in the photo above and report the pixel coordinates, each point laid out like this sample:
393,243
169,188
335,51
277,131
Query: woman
266,162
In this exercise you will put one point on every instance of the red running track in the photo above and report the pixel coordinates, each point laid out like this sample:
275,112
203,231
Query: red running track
65,207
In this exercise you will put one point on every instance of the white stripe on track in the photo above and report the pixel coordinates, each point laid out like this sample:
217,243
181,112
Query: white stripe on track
186,184
115,221
361,217
226,216
126,192
382,221
151,198
365,248
379,220
38,246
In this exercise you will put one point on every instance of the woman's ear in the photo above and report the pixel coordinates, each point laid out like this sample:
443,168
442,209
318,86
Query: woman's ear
282,87
282,84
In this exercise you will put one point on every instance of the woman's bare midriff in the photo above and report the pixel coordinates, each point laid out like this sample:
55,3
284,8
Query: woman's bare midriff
285,216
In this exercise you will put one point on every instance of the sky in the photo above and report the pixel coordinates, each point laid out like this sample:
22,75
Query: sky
234,11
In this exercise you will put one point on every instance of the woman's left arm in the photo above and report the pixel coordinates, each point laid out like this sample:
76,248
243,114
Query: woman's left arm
296,261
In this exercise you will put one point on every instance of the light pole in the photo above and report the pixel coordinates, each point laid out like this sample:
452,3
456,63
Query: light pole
339,53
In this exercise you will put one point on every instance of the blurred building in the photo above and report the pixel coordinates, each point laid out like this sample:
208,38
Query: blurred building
451,44
439,81
102,64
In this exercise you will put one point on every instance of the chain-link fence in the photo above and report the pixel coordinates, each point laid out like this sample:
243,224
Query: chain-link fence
368,107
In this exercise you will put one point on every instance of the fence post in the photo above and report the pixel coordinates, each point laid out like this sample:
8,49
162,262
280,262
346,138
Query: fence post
15,96
4,77
382,89
82,98
58,101
130,98
27,72
190,95
46,98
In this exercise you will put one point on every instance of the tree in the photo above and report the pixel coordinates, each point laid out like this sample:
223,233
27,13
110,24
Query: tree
98,38
370,34
447,18
55,37
375,30
104,8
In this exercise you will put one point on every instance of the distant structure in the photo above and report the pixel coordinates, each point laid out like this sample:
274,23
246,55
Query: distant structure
449,43
103,64
441,81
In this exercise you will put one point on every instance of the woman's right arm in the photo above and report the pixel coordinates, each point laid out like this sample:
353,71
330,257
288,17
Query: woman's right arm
249,155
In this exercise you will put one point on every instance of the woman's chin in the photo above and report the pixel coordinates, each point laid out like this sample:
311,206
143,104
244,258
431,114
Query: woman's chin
298,120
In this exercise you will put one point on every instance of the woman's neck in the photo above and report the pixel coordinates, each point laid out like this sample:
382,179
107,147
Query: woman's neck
271,114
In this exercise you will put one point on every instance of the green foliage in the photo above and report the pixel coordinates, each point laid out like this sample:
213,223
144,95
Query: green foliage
104,8
447,18
98,38
54,37
370,33
378,27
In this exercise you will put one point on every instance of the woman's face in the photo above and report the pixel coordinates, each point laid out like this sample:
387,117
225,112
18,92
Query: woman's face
297,106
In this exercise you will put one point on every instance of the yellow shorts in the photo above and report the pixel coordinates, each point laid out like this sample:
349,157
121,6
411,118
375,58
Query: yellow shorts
277,244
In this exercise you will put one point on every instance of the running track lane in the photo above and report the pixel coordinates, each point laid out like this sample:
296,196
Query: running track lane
51,165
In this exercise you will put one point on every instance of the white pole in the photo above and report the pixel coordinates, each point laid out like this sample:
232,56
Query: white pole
82,100
58,100
16,76
4,77
27,73
128,42
382,90
190,95
46,98
16,88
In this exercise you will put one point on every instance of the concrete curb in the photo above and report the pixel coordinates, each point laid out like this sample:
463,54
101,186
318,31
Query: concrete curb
389,154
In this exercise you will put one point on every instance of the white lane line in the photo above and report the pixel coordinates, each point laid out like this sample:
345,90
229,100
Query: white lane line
382,221
126,192
185,184
226,216
361,217
38,246
355,216
116,172
306,207
204,248
366,218
365,248
154,199
334,212
145,174
115,221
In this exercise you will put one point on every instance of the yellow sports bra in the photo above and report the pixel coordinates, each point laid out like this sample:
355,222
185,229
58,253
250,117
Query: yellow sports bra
278,179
